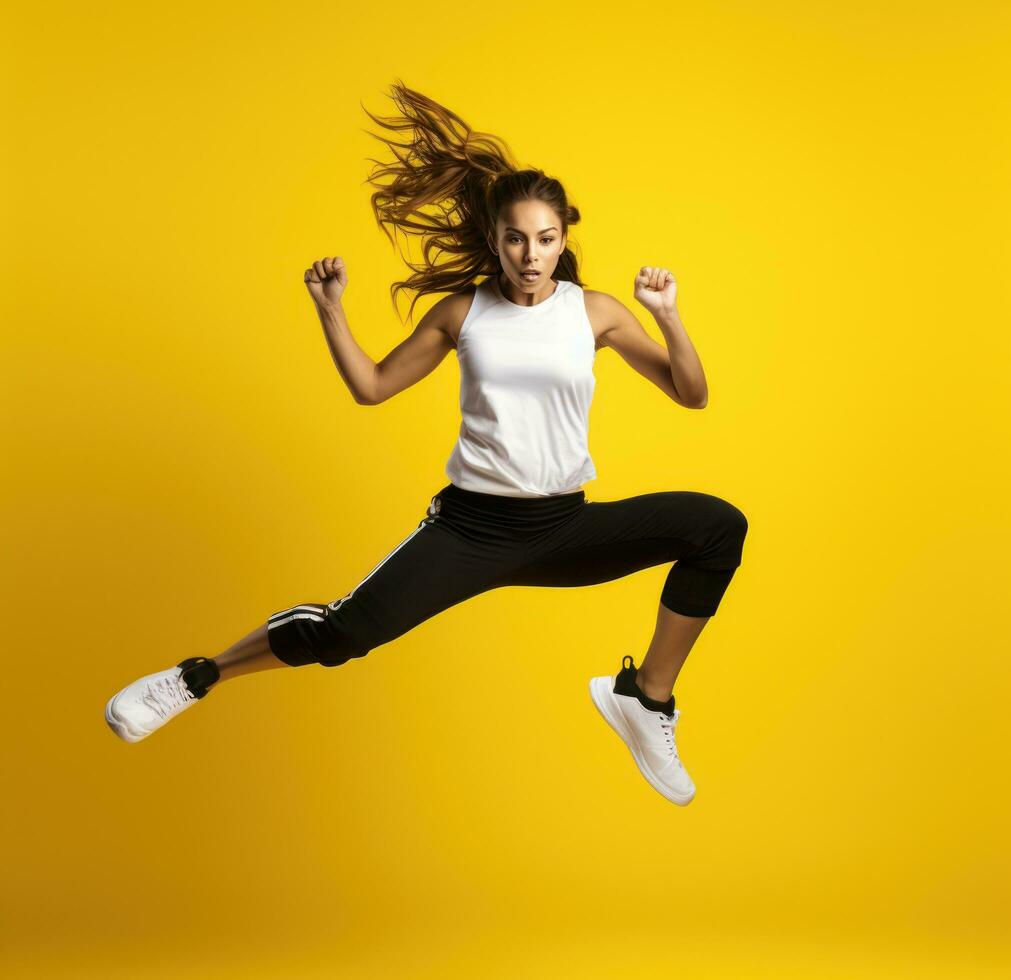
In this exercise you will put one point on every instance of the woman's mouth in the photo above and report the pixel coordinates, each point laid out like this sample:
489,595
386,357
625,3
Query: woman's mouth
529,276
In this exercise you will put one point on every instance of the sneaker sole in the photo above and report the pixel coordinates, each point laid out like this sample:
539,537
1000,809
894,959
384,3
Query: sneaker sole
119,727
603,699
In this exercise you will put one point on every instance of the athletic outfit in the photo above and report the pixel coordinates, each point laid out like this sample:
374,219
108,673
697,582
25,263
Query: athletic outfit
513,512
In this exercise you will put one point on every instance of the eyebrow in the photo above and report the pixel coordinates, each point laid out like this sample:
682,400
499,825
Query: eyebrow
541,232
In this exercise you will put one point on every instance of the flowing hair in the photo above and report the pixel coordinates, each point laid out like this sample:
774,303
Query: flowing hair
448,186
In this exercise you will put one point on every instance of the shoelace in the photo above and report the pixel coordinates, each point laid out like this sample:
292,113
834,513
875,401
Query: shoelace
667,724
166,694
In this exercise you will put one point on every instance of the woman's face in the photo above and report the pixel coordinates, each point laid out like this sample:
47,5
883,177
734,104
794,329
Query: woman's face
529,236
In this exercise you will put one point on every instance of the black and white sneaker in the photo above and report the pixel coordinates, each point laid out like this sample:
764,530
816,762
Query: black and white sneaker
147,704
646,726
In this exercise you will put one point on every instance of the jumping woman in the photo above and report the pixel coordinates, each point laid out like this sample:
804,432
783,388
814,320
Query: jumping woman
526,332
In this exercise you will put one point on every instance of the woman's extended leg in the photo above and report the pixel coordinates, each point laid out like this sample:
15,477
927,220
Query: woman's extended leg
440,563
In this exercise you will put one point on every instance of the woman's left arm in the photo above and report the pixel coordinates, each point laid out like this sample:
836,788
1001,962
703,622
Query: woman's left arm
677,369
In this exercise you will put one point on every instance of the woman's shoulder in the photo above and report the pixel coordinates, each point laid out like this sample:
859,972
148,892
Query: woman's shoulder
600,311
599,302
596,296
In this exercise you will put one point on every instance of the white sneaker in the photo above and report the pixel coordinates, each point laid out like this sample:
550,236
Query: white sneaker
647,727
147,704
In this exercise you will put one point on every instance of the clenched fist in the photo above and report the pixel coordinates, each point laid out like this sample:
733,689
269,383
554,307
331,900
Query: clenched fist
326,279
656,289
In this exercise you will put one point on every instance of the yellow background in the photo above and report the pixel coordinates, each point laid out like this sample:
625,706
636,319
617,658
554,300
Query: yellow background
829,185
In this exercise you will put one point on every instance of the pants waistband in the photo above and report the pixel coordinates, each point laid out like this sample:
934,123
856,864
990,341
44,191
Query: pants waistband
501,509
505,502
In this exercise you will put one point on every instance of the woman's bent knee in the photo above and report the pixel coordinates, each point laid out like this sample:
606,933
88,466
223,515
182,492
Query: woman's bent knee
727,528
736,521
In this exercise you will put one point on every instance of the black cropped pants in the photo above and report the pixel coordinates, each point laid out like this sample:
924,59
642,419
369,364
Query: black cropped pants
470,542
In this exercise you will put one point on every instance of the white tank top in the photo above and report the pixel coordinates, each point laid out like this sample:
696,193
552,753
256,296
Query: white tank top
526,383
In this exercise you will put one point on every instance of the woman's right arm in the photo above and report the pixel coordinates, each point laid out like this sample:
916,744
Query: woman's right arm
411,360
371,383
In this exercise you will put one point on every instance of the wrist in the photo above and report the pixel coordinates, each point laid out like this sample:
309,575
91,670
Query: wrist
667,317
330,310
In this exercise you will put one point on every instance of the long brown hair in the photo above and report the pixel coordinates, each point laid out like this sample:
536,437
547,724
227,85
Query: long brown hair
463,178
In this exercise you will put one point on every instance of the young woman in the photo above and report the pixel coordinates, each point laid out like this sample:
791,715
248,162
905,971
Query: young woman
514,511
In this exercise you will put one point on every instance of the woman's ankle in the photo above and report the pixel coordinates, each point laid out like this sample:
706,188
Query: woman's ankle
657,692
